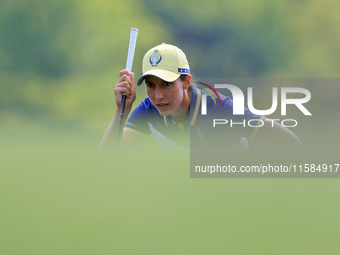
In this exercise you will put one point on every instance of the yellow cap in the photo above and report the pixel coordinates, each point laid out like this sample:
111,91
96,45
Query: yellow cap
166,62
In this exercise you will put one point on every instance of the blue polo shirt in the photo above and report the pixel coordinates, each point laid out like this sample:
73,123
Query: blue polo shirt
145,119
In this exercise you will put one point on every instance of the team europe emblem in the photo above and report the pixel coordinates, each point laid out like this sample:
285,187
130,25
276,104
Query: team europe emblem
155,59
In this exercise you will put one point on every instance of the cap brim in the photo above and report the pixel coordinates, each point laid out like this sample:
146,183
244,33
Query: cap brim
164,75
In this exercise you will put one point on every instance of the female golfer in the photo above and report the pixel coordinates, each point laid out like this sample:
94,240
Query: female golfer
172,110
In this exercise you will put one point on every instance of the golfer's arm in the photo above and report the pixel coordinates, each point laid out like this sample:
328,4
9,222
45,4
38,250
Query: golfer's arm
273,133
132,139
110,137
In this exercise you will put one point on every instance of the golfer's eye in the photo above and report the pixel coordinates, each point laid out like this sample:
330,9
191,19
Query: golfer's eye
167,83
150,84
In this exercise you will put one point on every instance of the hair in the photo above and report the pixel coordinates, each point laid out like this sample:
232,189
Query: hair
184,77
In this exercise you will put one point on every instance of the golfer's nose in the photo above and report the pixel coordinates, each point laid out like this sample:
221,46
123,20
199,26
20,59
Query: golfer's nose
159,93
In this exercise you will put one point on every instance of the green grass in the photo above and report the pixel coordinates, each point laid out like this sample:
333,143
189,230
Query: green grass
58,195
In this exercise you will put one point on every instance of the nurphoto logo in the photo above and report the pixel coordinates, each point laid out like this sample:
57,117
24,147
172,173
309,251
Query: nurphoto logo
238,103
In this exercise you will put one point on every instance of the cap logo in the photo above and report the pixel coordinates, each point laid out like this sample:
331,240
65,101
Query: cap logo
155,59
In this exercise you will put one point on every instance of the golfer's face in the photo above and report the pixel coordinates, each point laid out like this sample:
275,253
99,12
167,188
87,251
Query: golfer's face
166,97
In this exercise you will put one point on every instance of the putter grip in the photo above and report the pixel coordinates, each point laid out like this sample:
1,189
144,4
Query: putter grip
129,61
132,46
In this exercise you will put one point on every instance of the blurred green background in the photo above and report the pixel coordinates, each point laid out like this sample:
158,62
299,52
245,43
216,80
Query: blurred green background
59,61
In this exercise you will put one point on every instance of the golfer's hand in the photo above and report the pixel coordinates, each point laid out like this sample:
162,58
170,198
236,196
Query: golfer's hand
126,84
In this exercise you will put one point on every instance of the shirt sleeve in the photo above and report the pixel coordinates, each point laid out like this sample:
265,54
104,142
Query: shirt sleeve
137,122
